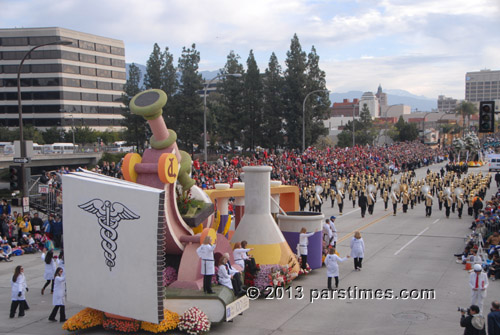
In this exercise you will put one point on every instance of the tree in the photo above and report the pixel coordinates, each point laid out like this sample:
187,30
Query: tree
344,139
30,133
153,78
53,134
317,106
273,105
252,104
170,85
295,86
404,131
466,109
83,135
189,108
365,132
136,131
230,118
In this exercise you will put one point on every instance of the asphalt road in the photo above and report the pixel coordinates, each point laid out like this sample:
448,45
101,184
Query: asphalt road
404,252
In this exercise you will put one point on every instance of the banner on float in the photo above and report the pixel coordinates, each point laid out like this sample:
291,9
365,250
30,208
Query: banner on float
113,239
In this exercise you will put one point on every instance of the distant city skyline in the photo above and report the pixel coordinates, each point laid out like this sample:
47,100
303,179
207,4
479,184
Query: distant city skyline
423,47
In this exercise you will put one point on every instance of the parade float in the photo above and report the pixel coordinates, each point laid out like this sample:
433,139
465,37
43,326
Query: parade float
467,150
132,258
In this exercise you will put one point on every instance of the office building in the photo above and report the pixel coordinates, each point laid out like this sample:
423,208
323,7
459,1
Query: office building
62,85
482,86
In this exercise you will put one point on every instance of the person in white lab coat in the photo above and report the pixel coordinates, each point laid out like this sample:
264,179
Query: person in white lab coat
334,231
240,254
50,268
206,253
19,289
327,232
357,250
478,282
58,299
332,267
223,274
303,242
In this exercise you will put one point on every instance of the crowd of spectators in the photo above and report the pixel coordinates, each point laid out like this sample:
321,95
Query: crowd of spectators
314,166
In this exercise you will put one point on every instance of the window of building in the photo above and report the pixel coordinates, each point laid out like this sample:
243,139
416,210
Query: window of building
8,55
118,62
86,45
13,41
88,83
104,73
102,85
71,95
103,48
37,40
104,97
87,58
70,55
89,96
70,82
13,69
117,87
118,51
70,69
119,75
46,95
103,60
46,81
41,109
48,68
46,54
87,71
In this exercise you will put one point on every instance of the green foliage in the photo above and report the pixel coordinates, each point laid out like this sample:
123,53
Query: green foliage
404,131
136,131
83,135
294,92
323,142
252,105
364,131
230,117
189,107
273,105
53,135
466,109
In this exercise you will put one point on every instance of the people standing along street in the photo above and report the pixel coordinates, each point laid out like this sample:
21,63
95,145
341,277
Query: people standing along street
478,282
473,323
494,318
19,289
58,299
357,250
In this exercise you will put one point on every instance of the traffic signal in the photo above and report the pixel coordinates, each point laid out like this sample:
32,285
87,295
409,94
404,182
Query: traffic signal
16,178
487,117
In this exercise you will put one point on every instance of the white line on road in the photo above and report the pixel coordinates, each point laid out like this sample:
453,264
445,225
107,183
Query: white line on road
413,239
435,221
354,210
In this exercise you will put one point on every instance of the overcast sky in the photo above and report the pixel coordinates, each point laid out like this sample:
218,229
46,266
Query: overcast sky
422,46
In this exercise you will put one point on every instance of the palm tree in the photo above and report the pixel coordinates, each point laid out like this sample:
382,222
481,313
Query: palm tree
465,109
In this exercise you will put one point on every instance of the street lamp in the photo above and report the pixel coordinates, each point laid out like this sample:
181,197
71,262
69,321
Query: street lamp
304,118
423,125
222,75
73,130
20,111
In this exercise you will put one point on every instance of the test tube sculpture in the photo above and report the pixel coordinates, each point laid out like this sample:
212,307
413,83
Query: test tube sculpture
222,207
258,226
239,205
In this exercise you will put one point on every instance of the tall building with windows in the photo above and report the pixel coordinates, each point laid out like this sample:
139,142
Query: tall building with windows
62,85
482,86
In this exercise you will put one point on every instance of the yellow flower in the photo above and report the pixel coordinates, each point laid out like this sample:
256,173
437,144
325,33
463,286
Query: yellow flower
170,321
84,319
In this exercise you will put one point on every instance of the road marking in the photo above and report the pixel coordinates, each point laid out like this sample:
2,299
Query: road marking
413,239
435,221
362,228
354,210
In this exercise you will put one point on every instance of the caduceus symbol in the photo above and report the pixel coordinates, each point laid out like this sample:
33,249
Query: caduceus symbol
109,216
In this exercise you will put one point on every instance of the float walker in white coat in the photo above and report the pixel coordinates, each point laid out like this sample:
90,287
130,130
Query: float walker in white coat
19,288
332,267
357,250
206,253
302,246
58,299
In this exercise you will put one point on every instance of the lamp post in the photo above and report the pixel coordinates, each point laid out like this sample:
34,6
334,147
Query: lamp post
304,117
237,75
73,130
423,125
24,191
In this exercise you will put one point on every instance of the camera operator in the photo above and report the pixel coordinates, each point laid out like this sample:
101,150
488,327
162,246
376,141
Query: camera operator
494,319
474,322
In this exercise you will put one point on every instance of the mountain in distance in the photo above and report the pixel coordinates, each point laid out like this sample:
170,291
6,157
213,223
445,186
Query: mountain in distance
394,96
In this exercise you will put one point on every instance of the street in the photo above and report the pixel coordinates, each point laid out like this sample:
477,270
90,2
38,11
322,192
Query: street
404,252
